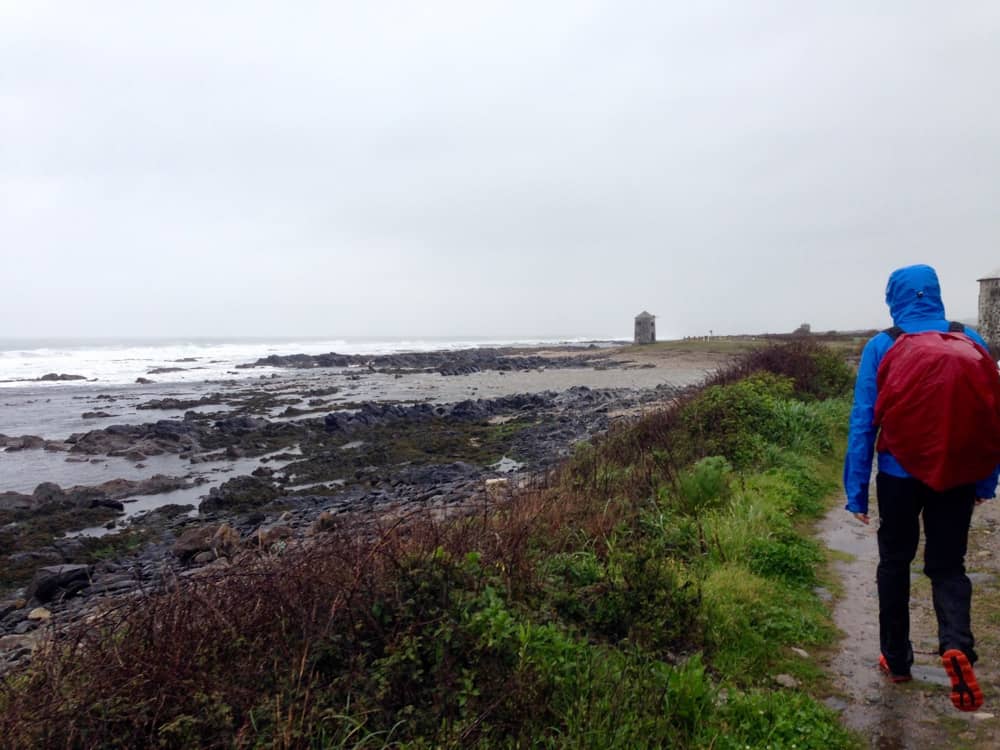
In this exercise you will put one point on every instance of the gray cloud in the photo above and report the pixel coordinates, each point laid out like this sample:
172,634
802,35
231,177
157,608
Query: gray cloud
489,168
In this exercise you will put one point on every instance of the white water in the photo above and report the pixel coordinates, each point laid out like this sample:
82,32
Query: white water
121,362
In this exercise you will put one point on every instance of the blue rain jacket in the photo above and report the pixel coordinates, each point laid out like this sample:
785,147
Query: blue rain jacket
914,298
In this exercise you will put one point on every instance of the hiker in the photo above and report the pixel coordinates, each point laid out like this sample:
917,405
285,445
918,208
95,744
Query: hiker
895,400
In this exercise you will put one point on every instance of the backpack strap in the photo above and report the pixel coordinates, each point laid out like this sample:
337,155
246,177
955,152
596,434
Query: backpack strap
895,332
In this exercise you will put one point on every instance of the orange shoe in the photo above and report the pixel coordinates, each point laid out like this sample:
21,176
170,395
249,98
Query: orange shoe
965,692
883,665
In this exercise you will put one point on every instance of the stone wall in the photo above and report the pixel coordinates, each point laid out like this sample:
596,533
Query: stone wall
645,331
989,312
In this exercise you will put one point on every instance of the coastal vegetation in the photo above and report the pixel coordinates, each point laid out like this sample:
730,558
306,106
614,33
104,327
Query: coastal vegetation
648,592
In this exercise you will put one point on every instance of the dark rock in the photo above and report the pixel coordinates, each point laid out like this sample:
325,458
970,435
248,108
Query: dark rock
16,501
220,539
144,381
244,491
44,556
86,497
94,415
266,536
240,425
172,510
179,403
10,605
55,581
52,376
70,548
48,492
24,442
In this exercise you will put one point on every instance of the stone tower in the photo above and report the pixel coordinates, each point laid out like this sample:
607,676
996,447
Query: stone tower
989,309
645,328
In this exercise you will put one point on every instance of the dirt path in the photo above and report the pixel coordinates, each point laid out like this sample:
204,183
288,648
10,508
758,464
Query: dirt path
919,714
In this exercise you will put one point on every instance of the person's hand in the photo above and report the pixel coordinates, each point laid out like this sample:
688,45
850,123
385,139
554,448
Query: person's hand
863,517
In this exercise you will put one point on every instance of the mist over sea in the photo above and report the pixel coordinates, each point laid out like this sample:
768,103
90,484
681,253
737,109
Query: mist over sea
122,361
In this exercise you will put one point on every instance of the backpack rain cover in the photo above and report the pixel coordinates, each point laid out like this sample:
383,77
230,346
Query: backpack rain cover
938,408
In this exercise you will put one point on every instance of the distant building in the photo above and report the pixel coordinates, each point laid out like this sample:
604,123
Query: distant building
645,328
989,309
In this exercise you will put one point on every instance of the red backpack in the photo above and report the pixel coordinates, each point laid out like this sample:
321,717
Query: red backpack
938,407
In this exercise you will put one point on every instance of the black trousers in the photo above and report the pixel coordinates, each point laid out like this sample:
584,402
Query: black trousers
947,516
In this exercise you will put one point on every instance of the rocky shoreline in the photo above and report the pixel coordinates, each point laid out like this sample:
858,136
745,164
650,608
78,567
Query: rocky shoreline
321,465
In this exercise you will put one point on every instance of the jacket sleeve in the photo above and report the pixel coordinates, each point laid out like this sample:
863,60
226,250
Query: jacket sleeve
861,437
985,488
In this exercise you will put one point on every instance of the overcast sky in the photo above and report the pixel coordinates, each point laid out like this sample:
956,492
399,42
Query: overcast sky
490,168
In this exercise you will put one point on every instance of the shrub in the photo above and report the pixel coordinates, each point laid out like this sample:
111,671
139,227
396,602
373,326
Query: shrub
816,371
787,557
705,485
736,420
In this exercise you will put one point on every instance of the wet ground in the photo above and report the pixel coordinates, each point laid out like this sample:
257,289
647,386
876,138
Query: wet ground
916,715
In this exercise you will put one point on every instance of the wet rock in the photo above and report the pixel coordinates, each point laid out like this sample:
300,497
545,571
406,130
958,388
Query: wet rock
86,497
179,404
24,442
57,445
44,556
69,548
16,501
194,541
95,415
171,510
449,363
53,377
240,425
144,381
55,581
325,521
240,492
40,614
48,492
265,537
220,540
10,605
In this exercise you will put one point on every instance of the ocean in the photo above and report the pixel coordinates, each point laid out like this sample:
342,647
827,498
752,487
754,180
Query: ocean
122,361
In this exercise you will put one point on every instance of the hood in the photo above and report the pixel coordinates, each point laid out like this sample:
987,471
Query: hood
913,293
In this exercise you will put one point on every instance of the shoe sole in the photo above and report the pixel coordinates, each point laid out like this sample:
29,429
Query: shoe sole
883,666
965,692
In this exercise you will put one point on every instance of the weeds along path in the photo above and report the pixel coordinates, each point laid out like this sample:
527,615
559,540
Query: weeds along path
918,714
